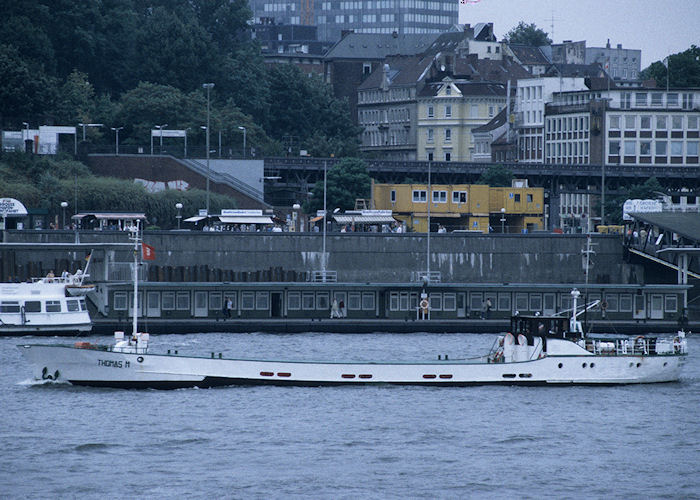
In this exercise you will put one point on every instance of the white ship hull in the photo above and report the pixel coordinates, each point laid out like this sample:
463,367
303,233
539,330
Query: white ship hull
106,368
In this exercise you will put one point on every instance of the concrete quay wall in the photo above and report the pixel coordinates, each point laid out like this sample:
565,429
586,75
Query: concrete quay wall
356,257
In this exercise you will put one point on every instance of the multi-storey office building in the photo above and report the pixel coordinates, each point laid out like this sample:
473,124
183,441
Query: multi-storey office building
369,16
532,95
643,126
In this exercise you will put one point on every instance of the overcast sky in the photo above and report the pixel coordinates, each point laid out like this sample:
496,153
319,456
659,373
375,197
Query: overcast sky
657,27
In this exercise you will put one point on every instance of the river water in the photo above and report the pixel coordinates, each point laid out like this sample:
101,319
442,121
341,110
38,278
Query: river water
59,441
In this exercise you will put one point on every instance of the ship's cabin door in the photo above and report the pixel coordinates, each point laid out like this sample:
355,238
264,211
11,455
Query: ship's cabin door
201,306
276,309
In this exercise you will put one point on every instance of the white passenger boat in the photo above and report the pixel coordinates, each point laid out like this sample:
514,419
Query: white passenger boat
44,306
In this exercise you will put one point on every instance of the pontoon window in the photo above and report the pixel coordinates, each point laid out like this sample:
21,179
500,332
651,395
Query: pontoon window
167,301
215,301
625,302
294,301
183,301
368,301
449,302
308,300
503,302
262,301
322,301
119,301
671,303
247,301
436,301
354,301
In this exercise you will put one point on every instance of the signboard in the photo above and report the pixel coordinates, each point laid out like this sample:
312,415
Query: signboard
375,212
640,206
230,212
168,133
9,207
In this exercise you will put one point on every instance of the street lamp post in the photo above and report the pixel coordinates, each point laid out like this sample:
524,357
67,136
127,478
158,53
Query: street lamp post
503,220
85,125
116,140
161,127
64,205
208,86
244,131
178,205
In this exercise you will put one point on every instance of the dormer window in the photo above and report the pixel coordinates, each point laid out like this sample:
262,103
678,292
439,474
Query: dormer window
448,90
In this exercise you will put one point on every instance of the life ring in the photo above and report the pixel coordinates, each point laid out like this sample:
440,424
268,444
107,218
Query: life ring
424,305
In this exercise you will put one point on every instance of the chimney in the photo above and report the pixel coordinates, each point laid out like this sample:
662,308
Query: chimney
607,45
619,45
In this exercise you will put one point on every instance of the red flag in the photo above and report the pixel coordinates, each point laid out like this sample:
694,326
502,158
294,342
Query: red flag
148,252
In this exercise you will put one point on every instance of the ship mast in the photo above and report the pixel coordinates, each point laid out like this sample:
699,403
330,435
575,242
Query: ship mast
134,236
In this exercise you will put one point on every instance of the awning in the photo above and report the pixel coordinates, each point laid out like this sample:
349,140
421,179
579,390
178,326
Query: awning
438,215
364,219
242,219
111,215
316,219
196,218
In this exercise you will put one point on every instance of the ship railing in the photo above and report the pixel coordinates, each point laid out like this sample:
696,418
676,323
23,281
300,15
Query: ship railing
639,346
67,279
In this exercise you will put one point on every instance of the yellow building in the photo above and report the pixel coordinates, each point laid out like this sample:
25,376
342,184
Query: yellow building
447,112
463,207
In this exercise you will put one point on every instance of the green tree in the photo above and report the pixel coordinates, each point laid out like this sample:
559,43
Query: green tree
496,175
25,90
347,181
75,100
528,34
648,190
683,70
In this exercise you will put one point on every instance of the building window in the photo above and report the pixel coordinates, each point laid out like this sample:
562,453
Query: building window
431,136
419,196
182,301
262,301
691,148
657,99
661,122
529,198
368,301
431,111
308,301
615,122
459,196
322,301
439,196
661,148
448,135
448,156
640,99
448,111
516,197
448,90
672,100
430,156
646,122
630,122
677,123
392,195
630,148
676,148
645,148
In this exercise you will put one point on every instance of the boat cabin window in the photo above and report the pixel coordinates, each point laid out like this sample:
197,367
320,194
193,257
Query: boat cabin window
32,306
53,306
83,305
9,307
72,305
